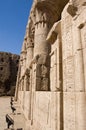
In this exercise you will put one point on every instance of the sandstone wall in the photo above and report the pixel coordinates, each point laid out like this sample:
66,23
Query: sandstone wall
52,94
73,50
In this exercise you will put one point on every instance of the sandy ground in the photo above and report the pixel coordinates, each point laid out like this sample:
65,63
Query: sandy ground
4,109
18,117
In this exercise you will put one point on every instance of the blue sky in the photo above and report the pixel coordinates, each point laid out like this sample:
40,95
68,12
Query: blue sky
13,19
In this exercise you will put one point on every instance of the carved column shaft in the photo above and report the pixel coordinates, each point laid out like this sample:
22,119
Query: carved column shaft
30,42
41,31
41,48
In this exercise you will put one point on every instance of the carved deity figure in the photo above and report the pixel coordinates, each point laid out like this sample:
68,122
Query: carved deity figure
41,73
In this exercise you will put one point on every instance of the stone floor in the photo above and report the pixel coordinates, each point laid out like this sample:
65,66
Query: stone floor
18,117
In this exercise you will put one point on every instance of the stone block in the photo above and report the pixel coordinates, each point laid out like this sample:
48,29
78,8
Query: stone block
46,106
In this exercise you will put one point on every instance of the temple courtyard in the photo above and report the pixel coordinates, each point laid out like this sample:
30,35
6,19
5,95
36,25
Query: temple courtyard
18,118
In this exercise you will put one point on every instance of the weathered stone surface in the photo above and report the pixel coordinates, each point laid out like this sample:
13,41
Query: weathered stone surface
54,52
8,72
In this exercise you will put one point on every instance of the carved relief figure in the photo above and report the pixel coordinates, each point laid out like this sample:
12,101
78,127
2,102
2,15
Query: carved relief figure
41,73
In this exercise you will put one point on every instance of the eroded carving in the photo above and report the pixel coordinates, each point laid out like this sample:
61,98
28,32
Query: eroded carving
41,73
72,10
30,34
27,73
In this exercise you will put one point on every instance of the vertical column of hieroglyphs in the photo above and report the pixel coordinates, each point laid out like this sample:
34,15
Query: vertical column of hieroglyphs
68,72
79,27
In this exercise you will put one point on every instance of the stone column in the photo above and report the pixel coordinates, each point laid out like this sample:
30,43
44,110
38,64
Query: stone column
18,82
30,51
30,41
23,63
41,31
23,58
41,50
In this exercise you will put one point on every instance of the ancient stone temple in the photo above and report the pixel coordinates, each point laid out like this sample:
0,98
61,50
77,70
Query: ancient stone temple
51,81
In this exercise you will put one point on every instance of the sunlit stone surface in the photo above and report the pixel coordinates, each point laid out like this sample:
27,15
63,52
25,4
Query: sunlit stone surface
51,82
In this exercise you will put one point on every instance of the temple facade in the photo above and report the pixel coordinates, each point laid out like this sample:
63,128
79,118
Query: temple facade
51,81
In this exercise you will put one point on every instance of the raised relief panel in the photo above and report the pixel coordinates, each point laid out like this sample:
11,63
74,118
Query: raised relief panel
68,75
67,23
55,110
42,73
40,44
68,43
80,111
69,111
42,108
67,49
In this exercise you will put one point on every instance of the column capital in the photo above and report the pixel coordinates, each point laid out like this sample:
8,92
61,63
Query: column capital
29,36
52,9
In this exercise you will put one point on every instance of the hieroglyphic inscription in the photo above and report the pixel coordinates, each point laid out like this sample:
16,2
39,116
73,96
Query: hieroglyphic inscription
70,74
67,37
42,107
40,45
67,23
69,108
67,46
